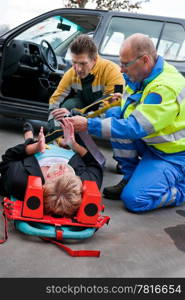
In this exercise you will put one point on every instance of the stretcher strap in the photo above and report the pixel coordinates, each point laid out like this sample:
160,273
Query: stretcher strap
88,142
92,148
5,229
59,233
94,253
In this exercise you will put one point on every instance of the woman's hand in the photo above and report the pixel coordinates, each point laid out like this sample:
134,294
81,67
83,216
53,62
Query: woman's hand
38,146
41,141
69,136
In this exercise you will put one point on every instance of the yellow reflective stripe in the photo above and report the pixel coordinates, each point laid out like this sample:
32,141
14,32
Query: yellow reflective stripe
125,153
106,128
129,90
175,136
143,121
181,96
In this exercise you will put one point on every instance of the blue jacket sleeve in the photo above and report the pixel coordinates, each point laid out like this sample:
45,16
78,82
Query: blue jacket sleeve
116,128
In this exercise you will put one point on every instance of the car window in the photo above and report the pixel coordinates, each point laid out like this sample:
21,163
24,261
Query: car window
60,31
172,42
55,30
120,28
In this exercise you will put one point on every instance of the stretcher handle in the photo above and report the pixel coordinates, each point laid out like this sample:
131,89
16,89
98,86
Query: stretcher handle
45,230
118,88
103,109
101,100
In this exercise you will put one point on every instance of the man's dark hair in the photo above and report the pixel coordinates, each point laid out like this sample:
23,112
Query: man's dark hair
83,44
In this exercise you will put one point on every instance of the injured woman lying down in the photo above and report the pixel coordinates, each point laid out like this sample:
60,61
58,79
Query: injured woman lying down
62,169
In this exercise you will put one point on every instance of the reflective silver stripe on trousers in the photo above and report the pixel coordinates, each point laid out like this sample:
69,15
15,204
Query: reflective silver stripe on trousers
178,135
125,153
181,96
143,121
106,128
173,197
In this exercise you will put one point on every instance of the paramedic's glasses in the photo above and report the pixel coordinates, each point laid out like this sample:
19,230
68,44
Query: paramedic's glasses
125,65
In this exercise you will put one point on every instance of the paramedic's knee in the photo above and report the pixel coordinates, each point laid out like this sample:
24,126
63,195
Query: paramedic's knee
113,112
128,198
134,201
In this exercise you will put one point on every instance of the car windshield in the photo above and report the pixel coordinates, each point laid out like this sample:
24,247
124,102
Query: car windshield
55,30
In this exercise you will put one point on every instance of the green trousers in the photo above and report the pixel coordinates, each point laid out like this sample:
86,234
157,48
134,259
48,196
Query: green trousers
73,103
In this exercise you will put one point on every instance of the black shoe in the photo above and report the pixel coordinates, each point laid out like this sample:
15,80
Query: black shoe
27,127
118,169
114,192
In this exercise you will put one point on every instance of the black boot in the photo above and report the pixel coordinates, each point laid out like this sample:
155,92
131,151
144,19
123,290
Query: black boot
114,192
118,169
28,127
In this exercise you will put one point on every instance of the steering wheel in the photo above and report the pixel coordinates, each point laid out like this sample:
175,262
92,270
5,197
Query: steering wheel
48,55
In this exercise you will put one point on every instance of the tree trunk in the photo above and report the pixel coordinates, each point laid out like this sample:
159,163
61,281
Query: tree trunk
82,3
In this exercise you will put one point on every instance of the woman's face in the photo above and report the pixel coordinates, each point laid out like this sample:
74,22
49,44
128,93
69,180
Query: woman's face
59,169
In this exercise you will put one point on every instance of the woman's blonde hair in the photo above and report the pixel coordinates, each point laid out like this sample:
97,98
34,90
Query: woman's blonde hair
63,195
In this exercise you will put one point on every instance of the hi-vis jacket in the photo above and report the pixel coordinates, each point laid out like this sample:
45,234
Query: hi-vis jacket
153,111
102,80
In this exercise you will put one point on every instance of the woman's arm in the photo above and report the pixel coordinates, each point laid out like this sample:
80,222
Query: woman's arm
21,151
69,138
87,168
84,164
38,146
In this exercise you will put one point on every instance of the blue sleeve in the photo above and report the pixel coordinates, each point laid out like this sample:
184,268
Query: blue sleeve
94,126
116,128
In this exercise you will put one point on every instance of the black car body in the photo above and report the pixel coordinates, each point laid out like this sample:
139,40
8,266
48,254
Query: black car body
35,55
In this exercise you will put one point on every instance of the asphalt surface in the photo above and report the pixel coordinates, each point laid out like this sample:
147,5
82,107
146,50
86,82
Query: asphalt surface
132,245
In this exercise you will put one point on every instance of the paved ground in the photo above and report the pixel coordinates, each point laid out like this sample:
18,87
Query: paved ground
132,245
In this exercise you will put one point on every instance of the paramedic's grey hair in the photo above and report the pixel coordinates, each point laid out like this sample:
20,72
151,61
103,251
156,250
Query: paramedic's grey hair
140,45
